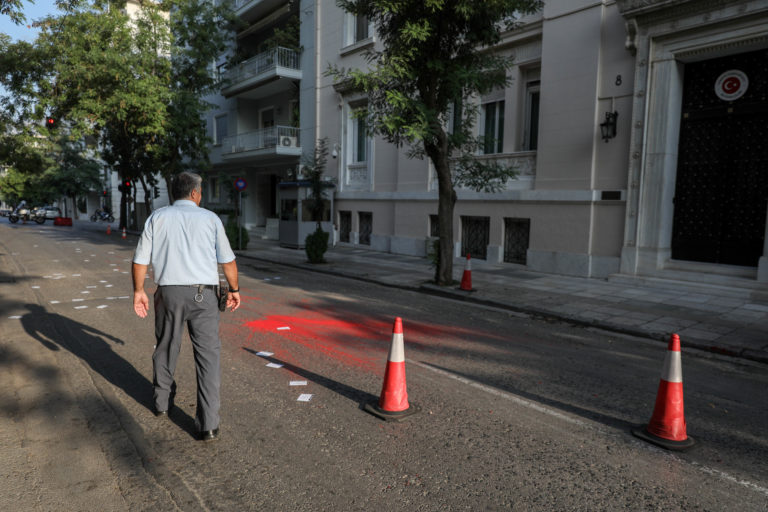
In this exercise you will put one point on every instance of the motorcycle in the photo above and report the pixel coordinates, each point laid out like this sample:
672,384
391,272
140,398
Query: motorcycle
25,214
100,214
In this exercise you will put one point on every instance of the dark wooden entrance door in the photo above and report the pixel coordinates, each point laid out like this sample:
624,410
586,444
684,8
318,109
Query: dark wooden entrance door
722,170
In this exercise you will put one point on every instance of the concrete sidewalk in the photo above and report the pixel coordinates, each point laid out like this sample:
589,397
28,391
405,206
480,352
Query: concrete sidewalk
726,320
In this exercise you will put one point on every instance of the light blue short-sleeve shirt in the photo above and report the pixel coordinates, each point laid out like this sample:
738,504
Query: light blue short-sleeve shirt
184,243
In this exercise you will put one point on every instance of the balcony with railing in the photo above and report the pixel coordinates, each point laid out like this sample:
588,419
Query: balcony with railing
255,9
263,74
273,141
523,162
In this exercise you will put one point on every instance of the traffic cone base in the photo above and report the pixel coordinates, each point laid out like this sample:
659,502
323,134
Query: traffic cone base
373,408
681,446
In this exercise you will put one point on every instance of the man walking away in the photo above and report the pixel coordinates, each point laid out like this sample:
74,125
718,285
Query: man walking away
185,244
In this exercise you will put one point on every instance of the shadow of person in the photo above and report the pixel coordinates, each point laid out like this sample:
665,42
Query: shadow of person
93,347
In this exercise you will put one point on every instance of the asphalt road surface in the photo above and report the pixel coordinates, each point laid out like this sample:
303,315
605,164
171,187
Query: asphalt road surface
515,413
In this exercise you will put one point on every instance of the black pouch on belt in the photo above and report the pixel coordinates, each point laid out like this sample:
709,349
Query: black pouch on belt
222,295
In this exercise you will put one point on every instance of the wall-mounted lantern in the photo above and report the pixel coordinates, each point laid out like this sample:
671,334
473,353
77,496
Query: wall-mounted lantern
608,127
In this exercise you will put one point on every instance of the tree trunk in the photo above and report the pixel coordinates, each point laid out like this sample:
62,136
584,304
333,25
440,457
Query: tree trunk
445,203
148,195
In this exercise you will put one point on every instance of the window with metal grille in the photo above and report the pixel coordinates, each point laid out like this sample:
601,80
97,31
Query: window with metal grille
366,226
345,226
475,235
434,226
516,236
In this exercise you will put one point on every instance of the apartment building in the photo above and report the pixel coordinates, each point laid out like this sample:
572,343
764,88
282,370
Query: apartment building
637,129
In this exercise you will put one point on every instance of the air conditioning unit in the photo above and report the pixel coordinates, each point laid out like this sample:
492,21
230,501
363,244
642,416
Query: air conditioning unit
289,142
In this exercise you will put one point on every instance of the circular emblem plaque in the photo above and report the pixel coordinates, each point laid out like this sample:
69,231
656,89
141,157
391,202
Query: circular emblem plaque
731,85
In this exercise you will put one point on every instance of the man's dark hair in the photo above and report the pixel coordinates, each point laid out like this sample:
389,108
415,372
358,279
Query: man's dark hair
184,183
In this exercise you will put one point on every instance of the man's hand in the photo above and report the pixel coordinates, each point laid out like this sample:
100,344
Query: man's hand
233,300
140,299
230,273
141,303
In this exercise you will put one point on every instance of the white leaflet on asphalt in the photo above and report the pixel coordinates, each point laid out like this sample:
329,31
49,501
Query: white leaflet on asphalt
284,328
54,302
274,365
102,281
86,261
94,286
78,300
123,297
107,286
35,287
47,277
102,306
110,298
264,354
298,383
125,271
81,307
115,270
75,275
111,252
113,264
304,397
86,291
14,317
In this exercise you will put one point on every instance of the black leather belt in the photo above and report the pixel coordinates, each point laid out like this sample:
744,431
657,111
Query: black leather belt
202,286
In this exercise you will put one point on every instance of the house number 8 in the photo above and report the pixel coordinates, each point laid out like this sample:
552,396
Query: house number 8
618,79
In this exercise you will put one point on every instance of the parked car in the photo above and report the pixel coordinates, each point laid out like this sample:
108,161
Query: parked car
51,212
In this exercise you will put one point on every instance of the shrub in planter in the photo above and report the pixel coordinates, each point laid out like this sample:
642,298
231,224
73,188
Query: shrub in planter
315,245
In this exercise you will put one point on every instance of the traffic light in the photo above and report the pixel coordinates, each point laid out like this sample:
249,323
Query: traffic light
127,187
50,123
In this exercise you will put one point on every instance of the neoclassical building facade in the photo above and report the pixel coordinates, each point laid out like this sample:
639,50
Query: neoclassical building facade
675,189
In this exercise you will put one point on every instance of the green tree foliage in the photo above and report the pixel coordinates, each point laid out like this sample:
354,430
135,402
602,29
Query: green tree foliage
134,82
12,9
434,59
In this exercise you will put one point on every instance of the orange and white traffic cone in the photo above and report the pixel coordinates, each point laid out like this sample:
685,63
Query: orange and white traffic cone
466,278
123,237
667,427
109,229
393,403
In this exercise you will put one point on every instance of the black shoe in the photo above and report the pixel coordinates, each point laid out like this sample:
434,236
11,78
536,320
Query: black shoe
160,413
209,435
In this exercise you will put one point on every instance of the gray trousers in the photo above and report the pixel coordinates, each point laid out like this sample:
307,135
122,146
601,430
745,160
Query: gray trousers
174,307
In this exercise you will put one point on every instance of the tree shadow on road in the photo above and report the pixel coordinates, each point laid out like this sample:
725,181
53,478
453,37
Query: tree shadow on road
93,347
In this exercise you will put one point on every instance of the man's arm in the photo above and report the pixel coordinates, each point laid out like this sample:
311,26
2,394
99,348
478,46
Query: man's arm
140,299
230,273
